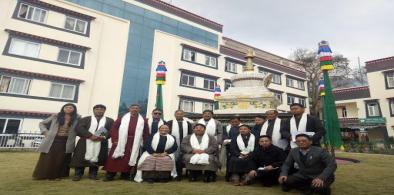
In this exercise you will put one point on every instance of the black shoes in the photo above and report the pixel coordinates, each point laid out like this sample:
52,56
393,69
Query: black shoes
107,178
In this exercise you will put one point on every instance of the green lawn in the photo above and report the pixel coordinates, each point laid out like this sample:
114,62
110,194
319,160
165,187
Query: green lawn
374,175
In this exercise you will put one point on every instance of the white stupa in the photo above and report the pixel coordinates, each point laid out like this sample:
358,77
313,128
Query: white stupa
249,93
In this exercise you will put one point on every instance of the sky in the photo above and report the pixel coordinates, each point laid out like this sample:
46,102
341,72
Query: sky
354,28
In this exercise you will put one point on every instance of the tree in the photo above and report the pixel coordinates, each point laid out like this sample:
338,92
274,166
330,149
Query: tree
309,61
360,75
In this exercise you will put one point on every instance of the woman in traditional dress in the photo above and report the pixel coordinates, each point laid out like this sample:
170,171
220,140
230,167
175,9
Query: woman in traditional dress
57,145
241,149
157,163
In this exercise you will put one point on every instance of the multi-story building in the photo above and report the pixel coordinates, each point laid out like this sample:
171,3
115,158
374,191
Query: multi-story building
370,109
106,51
54,52
195,69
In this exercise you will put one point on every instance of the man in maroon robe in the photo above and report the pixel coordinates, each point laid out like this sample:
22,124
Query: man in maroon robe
127,134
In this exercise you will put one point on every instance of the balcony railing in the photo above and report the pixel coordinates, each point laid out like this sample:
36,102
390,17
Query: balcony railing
20,141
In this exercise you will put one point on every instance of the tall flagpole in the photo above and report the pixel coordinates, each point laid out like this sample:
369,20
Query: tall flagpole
330,117
160,81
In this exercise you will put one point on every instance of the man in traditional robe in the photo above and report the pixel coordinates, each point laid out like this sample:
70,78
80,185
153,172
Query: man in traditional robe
213,127
231,132
272,127
266,161
92,148
127,134
241,149
155,121
302,122
315,168
258,123
200,151
157,163
179,128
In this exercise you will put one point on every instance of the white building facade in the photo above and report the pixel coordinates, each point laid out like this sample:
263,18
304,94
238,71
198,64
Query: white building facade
55,52
370,109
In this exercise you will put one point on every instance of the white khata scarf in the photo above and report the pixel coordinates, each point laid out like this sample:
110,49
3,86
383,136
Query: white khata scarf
93,147
241,144
175,130
276,136
295,131
210,126
201,159
123,134
161,122
155,142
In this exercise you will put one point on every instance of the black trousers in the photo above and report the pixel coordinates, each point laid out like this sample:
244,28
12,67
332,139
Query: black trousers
79,171
197,173
179,166
268,178
304,184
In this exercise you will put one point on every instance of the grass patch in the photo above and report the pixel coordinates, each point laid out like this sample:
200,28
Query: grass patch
374,175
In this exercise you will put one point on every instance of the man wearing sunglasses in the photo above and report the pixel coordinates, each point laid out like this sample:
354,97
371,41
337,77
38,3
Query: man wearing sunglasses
155,121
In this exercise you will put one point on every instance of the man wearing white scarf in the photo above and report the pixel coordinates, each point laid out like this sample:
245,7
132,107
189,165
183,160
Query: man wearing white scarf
301,122
200,152
272,128
241,149
127,135
179,128
92,147
213,127
155,121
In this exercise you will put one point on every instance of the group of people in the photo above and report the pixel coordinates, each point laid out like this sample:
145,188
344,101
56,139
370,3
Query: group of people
272,151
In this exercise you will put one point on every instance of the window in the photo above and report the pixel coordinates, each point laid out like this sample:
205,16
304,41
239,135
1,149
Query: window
276,78
210,61
207,106
289,82
24,48
278,96
373,109
209,84
265,73
29,12
189,55
390,79
62,91
187,105
299,84
14,85
188,80
9,126
344,112
227,84
301,101
391,103
76,25
231,67
69,57
290,99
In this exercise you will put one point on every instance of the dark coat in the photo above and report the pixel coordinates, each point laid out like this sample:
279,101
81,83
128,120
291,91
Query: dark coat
313,124
272,155
82,130
318,164
160,146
